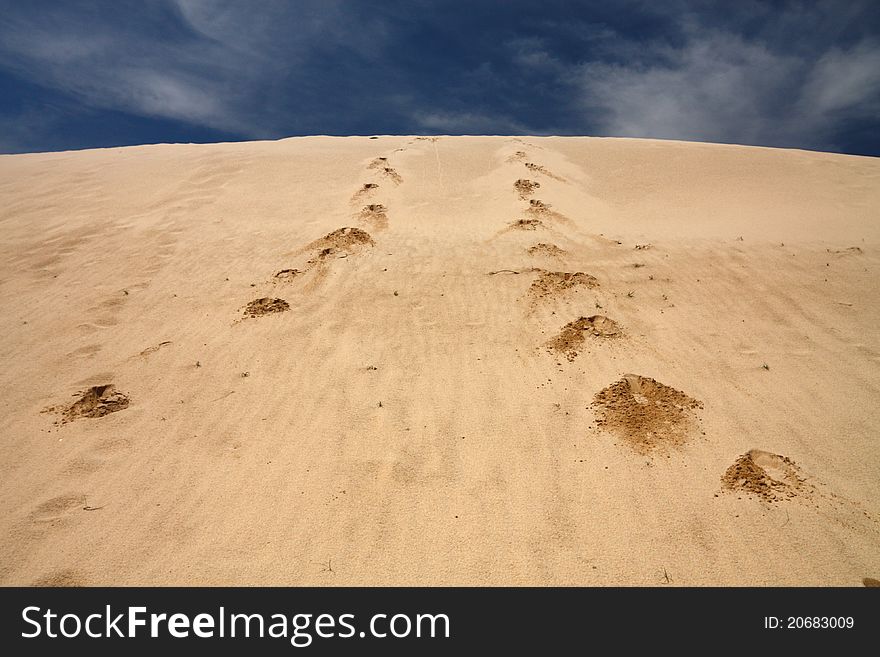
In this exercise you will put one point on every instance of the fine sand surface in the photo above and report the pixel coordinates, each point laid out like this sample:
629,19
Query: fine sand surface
484,361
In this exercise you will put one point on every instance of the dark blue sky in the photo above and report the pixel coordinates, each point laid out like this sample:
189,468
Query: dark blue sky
90,74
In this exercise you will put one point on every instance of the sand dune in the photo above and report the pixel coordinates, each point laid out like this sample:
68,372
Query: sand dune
456,360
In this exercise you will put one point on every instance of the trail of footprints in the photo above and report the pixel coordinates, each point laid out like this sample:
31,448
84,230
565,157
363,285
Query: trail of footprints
340,243
101,400
647,415
382,165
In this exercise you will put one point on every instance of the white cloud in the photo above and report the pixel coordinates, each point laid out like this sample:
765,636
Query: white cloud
236,68
843,80
155,93
279,28
110,69
720,87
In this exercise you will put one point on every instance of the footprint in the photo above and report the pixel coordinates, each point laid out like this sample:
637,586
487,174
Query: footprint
341,243
347,240
771,477
525,188
537,168
366,190
94,402
390,173
374,215
573,336
265,306
645,413
542,210
546,249
381,164
527,224
551,284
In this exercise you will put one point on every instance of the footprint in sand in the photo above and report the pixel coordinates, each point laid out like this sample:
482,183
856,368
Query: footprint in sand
340,243
374,215
526,224
366,190
546,249
392,174
518,156
94,402
537,168
551,284
542,210
265,306
572,339
771,477
385,169
646,414
525,188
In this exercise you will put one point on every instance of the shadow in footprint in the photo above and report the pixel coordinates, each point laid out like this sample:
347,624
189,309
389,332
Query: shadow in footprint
95,402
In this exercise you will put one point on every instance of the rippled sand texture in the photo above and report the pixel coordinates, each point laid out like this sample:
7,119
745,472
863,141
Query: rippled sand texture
461,360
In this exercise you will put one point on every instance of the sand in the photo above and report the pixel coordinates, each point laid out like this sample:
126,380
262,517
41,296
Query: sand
330,363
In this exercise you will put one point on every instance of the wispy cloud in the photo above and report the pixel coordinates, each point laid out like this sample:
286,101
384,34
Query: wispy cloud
843,81
721,87
106,65
713,88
